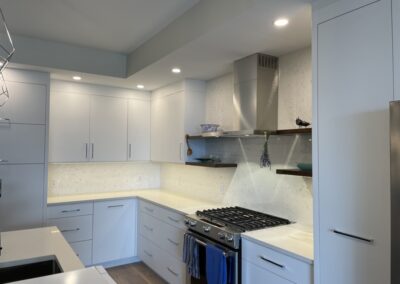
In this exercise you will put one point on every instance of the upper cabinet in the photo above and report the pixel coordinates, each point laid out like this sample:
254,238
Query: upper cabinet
353,85
396,47
108,129
97,128
175,110
139,130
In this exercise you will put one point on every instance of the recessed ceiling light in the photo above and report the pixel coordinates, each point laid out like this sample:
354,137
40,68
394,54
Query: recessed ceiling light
176,70
140,86
77,78
281,22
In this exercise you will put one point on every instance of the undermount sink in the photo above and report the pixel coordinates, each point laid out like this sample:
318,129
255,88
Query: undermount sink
30,270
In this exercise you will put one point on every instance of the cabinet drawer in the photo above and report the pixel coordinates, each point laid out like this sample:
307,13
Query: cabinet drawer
70,210
22,143
171,269
149,253
74,229
84,251
166,236
27,104
278,263
168,216
253,274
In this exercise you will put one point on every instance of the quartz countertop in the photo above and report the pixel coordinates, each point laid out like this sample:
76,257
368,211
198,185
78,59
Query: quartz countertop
294,240
161,197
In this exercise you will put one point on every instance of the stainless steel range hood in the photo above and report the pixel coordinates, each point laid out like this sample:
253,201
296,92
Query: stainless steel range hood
255,97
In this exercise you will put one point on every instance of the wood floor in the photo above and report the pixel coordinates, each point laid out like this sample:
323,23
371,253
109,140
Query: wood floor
137,273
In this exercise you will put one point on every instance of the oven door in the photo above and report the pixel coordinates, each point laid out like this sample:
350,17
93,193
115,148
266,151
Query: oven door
234,255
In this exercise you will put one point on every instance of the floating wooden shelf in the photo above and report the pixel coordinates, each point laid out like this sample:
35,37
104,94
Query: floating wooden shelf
294,172
212,165
304,131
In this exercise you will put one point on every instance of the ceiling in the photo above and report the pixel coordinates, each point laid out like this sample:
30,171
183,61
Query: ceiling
114,25
207,56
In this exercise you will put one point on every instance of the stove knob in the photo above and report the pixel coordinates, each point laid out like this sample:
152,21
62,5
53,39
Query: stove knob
221,235
229,238
206,229
192,223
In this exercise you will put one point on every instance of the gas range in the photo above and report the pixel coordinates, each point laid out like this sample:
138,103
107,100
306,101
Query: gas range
225,225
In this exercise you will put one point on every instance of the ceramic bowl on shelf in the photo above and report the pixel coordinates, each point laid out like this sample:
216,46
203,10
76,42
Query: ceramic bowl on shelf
307,167
209,127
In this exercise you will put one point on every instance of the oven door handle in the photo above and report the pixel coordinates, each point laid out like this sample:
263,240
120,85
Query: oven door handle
204,244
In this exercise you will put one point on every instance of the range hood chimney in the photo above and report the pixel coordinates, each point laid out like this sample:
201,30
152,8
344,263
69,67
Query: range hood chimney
255,97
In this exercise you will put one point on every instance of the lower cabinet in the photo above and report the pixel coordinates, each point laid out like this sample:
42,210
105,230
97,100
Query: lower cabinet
261,265
114,230
161,241
75,221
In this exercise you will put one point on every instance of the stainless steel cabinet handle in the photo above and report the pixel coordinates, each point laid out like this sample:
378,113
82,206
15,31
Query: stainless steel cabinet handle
69,230
172,272
271,262
130,151
5,119
115,206
148,228
3,161
173,220
92,150
1,186
180,151
149,254
69,211
370,241
149,209
87,150
172,242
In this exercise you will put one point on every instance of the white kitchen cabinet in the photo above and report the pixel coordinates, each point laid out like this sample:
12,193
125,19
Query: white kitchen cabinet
353,85
27,104
396,47
114,230
83,250
176,110
22,143
108,129
74,229
254,274
139,130
22,196
69,127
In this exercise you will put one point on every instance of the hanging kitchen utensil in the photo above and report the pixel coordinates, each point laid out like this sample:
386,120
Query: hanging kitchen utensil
189,150
264,159
6,44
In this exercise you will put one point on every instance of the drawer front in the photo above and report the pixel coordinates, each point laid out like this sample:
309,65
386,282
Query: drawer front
84,251
149,253
172,240
74,229
70,210
253,274
278,263
168,216
22,143
171,269
149,227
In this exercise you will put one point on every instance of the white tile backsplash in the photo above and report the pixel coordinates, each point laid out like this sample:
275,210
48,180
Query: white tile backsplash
65,179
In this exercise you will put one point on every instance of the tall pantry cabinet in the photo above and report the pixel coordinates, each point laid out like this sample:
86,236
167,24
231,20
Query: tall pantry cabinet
23,150
353,85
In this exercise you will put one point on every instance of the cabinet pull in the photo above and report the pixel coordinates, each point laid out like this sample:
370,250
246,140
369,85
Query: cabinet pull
115,206
130,151
172,272
173,220
3,161
148,228
370,241
271,262
149,254
180,151
1,186
70,211
149,209
87,150
5,119
92,150
69,230
172,242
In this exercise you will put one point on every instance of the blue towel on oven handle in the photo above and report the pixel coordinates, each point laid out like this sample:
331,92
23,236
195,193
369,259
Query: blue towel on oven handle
191,256
216,265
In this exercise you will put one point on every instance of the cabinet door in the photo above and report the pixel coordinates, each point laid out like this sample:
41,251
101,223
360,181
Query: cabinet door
114,230
167,128
27,104
138,130
396,46
22,199
69,127
355,85
108,129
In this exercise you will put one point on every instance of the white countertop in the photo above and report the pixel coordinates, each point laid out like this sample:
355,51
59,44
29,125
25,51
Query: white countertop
175,202
294,240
